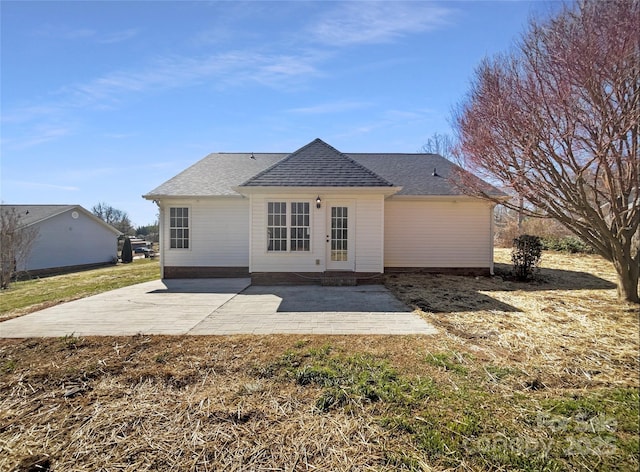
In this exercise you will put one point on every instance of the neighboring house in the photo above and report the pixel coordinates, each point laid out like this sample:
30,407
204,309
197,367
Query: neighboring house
68,237
302,216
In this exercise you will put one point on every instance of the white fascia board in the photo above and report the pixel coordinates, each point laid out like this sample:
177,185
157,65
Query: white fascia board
439,198
98,220
189,197
386,191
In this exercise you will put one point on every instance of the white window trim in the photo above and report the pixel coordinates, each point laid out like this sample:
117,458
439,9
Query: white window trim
288,202
189,227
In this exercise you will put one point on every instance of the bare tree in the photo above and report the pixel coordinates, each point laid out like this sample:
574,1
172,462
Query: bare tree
439,144
556,122
16,242
114,217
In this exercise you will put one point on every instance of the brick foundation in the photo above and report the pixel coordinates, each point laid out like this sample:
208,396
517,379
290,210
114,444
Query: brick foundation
312,278
175,272
315,278
29,274
475,271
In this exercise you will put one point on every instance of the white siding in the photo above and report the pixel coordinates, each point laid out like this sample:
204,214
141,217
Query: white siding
219,233
301,261
366,225
66,241
370,234
438,233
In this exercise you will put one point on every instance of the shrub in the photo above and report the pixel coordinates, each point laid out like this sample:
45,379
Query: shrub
569,244
525,255
127,252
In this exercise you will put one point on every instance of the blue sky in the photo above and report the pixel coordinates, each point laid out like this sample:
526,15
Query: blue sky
103,101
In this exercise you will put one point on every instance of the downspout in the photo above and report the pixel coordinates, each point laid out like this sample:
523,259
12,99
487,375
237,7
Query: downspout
491,237
160,236
250,268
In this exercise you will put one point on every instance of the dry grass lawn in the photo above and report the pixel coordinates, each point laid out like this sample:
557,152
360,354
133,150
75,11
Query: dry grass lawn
540,376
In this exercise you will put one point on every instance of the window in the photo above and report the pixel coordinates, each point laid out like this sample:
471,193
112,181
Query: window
277,226
300,226
285,234
179,228
339,233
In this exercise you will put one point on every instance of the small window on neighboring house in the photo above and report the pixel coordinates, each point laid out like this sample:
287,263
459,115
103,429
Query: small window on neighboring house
277,226
300,226
179,228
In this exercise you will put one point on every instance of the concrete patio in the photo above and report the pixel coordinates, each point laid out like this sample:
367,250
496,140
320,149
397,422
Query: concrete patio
223,307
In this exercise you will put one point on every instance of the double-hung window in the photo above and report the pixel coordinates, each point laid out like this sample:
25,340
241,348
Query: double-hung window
277,226
179,228
288,226
300,226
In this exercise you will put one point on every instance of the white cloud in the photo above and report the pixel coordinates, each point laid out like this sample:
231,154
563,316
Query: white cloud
377,22
62,32
225,70
330,107
118,36
229,68
40,134
41,185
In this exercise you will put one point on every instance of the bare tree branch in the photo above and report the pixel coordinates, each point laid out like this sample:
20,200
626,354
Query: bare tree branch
557,122
16,242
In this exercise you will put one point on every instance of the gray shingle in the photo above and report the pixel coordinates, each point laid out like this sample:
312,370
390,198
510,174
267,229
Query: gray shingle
415,173
216,175
31,214
317,165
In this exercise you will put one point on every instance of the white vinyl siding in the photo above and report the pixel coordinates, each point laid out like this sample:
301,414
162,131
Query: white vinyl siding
443,234
219,234
64,241
370,234
365,217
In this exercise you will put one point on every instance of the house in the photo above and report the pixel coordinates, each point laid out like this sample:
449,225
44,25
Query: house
304,216
68,237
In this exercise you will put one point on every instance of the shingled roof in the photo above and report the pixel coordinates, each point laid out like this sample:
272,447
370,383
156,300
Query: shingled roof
419,174
215,175
317,165
32,214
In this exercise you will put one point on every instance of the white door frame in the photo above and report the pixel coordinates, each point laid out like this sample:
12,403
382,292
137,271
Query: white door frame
340,251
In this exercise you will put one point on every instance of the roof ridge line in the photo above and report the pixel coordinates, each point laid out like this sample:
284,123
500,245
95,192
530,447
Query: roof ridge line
318,141
354,161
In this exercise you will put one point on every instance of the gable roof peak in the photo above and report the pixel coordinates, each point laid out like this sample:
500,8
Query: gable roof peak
317,164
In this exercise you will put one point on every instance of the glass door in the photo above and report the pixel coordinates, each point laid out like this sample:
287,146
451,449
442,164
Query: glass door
339,239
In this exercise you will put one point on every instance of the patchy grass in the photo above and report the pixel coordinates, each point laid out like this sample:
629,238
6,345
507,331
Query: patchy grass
530,377
567,329
31,295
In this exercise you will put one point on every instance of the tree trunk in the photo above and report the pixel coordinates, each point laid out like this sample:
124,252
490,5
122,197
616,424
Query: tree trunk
628,273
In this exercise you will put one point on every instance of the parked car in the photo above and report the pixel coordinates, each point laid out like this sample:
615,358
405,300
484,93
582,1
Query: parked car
146,251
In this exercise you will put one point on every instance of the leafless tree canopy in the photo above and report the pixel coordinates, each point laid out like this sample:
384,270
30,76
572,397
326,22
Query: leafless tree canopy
16,242
441,144
114,217
557,122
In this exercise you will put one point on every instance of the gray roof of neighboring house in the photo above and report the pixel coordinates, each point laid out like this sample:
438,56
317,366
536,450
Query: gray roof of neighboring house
317,165
219,174
32,214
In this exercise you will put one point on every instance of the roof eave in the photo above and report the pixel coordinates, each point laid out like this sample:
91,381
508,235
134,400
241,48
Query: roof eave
158,197
439,197
249,190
